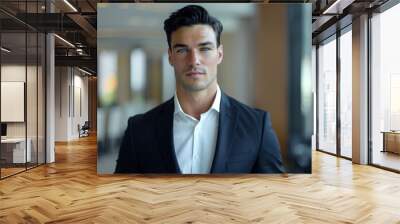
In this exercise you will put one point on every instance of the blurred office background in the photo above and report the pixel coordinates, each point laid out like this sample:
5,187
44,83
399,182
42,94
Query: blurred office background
267,65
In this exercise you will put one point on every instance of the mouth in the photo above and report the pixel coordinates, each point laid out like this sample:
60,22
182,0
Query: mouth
195,74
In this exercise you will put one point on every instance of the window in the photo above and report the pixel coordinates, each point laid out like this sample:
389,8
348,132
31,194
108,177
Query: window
327,96
138,70
346,94
108,81
168,79
385,88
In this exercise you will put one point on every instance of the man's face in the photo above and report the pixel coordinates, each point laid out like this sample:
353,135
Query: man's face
195,57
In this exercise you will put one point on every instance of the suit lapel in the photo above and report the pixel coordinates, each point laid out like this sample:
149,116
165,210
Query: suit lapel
165,138
226,128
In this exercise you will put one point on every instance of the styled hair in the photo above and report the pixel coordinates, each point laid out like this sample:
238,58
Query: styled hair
188,16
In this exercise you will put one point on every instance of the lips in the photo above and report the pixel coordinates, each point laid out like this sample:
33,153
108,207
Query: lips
195,73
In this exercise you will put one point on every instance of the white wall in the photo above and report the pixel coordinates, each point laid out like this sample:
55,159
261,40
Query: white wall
33,126
70,84
61,103
16,73
80,88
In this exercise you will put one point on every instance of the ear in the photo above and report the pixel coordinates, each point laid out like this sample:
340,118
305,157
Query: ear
220,52
170,56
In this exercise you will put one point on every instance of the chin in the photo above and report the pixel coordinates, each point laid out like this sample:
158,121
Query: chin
196,87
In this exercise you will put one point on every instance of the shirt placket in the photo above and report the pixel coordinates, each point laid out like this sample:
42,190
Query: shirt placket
195,152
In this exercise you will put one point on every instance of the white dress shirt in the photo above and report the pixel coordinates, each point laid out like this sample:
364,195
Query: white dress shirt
195,140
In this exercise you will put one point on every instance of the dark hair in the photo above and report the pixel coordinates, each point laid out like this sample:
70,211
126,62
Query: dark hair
188,16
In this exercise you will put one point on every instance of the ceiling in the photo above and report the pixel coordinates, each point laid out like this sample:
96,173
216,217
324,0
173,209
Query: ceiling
149,16
76,22
331,15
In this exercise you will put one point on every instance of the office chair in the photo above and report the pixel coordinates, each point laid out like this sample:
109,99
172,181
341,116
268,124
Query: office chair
84,130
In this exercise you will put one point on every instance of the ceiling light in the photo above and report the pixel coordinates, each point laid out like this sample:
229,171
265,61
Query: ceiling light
64,40
338,6
5,49
71,6
86,72
328,10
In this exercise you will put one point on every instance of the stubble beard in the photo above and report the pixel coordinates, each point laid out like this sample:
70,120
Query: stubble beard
196,85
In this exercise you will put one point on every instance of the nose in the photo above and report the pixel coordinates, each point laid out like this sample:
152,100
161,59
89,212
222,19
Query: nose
194,57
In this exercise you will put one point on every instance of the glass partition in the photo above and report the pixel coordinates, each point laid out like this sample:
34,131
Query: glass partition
13,107
31,98
22,90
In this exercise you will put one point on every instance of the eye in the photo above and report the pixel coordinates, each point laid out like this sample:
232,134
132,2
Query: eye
205,49
181,50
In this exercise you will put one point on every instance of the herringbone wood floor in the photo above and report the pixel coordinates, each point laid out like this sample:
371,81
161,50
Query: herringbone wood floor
70,191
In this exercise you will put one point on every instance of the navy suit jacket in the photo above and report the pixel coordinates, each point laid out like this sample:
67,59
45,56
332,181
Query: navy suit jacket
246,142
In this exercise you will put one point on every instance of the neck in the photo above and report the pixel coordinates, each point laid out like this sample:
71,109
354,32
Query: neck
195,103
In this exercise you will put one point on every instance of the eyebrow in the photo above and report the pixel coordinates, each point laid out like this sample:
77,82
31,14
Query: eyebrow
201,44
179,45
206,43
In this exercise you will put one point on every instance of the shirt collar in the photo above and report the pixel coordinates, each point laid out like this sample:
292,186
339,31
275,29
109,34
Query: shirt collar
217,101
215,106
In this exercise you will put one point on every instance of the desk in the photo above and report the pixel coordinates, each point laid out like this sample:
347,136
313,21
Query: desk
16,147
391,141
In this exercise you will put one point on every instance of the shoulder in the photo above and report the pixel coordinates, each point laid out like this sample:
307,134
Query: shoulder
151,115
248,117
246,110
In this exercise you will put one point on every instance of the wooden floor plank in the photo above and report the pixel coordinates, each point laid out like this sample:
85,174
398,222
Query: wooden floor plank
70,191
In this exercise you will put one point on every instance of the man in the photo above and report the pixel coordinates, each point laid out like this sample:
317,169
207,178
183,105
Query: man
200,130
